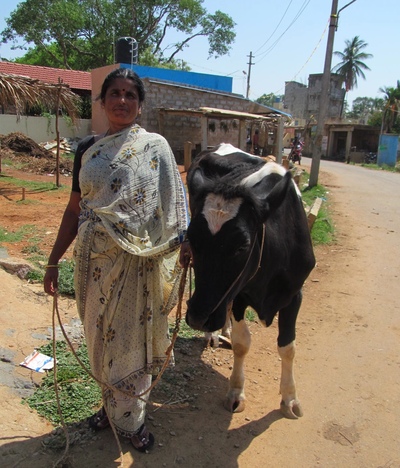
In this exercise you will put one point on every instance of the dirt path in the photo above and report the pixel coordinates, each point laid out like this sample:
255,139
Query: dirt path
347,364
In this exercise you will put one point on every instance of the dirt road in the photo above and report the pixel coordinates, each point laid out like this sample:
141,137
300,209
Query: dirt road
347,363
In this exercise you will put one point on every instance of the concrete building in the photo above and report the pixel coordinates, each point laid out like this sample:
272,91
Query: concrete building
302,101
346,140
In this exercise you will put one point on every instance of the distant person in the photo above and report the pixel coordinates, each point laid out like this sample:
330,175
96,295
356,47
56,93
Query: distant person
248,141
256,147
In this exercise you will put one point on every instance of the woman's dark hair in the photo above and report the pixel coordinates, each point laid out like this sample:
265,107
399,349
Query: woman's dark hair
123,73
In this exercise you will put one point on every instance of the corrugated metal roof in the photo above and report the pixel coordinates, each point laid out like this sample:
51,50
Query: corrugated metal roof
79,80
212,112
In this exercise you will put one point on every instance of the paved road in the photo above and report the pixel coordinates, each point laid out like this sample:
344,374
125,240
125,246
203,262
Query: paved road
359,358
372,201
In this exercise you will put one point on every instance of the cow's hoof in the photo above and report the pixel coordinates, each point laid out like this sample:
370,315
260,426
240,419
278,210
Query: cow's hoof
292,410
234,405
212,339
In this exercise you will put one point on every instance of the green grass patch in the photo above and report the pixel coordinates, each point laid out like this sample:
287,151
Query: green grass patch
16,236
66,278
30,185
65,274
79,393
323,231
27,202
37,257
185,332
383,167
70,156
250,315
7,162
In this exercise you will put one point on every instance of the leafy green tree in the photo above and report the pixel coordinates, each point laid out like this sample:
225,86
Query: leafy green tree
362,107
269,99
351,65
79,34
375,119
390,115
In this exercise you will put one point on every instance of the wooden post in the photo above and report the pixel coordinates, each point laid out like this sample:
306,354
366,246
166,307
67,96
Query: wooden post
161,122
59,90
312,215
23,193
279,140
242,135
297,178
204,122
187,155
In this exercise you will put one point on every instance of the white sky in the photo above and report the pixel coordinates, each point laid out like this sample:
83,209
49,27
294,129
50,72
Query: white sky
288,41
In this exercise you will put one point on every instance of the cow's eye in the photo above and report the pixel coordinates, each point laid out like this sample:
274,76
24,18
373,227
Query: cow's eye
240,250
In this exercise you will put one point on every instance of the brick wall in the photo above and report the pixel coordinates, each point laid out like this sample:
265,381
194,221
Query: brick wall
178,129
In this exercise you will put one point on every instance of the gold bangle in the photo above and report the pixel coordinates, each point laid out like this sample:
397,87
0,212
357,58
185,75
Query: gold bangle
52,266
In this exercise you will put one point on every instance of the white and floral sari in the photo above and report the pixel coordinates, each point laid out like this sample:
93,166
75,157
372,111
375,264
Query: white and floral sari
133,219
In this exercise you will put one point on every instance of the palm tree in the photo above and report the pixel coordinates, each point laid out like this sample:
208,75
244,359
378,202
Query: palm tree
352,65
391,107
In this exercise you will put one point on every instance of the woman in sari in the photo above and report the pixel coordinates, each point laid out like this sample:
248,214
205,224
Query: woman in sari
127,211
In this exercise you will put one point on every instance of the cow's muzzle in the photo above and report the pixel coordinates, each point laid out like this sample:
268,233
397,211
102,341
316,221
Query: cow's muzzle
206,323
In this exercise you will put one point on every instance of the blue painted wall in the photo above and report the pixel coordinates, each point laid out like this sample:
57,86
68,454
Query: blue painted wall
215,82
387,150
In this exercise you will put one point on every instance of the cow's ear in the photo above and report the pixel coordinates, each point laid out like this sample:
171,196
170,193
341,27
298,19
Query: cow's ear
270,201
198,185
197,181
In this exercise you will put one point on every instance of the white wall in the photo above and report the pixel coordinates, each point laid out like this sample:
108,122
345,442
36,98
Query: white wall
41,129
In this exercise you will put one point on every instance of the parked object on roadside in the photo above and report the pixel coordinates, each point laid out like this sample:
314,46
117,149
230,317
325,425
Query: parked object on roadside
296,151
370,158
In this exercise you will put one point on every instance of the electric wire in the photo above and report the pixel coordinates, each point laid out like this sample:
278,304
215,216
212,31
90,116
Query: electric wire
298,14
277,26
309,58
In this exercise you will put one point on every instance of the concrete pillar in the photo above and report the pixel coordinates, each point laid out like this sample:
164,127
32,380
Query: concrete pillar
330,144
348,144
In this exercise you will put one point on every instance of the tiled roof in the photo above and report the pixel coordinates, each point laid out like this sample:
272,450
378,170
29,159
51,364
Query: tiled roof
74,79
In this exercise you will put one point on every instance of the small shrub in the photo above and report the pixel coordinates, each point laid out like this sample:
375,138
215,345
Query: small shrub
78,392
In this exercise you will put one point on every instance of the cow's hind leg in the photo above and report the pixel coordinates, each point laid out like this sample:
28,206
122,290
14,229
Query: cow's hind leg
235,398
290,405
214,338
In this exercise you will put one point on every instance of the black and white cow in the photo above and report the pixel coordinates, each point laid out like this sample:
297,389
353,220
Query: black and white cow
250,246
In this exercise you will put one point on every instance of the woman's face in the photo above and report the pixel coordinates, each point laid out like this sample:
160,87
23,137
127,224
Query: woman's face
121,104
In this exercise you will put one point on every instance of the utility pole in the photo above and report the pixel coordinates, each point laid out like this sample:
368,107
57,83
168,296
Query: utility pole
325,94
248,75
324,99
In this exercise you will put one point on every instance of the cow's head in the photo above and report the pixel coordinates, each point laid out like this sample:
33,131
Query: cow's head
225,235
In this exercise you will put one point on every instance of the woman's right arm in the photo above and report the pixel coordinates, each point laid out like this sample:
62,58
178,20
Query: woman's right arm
66,235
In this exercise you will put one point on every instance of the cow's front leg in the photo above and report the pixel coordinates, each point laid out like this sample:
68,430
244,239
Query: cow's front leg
290,405
235,399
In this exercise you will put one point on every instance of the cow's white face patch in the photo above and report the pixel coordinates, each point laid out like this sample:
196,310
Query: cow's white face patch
266,170
217,211
225,149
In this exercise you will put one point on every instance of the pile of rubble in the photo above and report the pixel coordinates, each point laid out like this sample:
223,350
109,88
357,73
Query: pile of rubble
67,145
37,158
